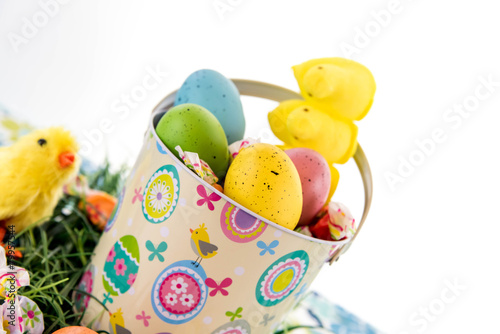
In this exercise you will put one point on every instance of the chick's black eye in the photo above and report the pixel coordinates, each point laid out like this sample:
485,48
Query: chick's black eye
42,142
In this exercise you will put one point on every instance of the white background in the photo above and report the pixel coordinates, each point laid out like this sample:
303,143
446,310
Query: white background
438,225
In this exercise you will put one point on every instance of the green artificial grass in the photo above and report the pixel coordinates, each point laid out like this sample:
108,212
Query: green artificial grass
57,253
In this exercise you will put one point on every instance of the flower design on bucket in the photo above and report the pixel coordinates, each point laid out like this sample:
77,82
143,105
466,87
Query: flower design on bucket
281,278
161,194
111,255
120,267
179,285
179,292
171,299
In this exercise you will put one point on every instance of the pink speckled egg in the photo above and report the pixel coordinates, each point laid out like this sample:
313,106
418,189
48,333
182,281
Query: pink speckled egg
315,178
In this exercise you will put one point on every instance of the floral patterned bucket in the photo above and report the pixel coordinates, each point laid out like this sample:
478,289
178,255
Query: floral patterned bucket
154,271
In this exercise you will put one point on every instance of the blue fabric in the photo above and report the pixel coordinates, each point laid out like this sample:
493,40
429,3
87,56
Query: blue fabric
324,317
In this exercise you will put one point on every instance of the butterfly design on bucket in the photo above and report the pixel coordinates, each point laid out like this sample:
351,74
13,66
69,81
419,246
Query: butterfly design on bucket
267,248
211,283
144,318
236,314
107,298
138,195
266,319
155,251
205,198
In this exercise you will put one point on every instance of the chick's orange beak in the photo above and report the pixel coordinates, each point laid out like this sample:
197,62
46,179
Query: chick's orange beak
66,159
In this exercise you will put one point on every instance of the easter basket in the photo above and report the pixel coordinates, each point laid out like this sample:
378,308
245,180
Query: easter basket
146,277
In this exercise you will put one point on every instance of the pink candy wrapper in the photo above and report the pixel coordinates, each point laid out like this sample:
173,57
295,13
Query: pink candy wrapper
18,314
237,146
200,167
304,230
341,221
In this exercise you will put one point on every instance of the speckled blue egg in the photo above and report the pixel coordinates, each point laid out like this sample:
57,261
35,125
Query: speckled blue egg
219,95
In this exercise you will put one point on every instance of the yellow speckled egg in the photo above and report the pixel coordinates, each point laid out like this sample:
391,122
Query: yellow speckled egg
263,178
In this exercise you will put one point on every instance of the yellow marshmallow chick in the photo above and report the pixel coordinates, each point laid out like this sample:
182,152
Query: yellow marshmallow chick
32,173
301,124
339,86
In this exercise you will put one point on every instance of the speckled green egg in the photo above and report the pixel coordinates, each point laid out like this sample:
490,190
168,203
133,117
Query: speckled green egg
195,129
264,179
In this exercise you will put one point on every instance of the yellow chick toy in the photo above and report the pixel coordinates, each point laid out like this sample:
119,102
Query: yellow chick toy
339,86
200,243
32,173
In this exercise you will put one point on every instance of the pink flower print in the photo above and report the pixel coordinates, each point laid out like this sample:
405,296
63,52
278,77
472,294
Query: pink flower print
131,279
111,255
179,286
171,298
205,198
120,267
144,318
187,300
138,195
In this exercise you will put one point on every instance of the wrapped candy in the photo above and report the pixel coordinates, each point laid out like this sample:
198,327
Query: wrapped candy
334,223
200,167
19,314
341,221
304,230
237,146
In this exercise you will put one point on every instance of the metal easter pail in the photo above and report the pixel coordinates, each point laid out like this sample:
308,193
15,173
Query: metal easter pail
151,280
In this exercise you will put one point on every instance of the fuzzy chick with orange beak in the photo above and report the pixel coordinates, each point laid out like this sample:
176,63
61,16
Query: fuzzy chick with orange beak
32,173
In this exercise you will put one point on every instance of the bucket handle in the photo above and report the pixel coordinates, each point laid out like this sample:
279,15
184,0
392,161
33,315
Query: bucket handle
279,94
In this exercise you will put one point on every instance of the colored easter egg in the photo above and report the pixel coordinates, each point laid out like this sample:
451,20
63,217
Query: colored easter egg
239,226
195,129
264,180
121,266
161,194
75,330
179,293
238,326
315,178
116,210
282,277
218,95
